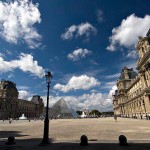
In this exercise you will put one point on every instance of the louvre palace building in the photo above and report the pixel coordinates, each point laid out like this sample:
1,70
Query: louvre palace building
132,99
12,107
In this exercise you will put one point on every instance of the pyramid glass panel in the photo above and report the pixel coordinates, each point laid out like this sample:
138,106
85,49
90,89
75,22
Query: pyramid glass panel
61,110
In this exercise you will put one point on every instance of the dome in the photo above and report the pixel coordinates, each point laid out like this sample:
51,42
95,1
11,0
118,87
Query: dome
121,76
129,72
132,74
8,84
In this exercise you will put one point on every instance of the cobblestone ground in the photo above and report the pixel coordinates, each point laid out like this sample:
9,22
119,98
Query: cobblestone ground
97,129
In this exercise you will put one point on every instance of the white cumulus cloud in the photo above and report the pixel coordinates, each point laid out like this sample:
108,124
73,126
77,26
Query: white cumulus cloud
128,32
112,91
93,100
98,101
78,53
79,30
23,94
24,63
81,82
17,21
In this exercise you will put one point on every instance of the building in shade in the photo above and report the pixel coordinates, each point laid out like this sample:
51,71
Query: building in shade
61,110
132,99
12,107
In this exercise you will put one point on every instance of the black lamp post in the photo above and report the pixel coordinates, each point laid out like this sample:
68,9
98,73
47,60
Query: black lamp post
45,140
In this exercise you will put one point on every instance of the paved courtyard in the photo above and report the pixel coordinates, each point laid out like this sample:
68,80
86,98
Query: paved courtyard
97,129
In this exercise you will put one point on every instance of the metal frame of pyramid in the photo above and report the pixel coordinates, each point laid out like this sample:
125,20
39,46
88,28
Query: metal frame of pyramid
61,110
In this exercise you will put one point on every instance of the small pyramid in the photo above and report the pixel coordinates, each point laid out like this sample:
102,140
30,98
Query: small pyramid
61,110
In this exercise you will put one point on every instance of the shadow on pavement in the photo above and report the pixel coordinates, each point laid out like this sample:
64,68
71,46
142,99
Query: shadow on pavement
34,144
6,134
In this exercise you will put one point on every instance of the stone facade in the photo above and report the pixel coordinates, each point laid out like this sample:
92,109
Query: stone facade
132,99
12,107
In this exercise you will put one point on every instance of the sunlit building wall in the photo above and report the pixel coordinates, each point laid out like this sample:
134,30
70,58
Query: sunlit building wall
132,99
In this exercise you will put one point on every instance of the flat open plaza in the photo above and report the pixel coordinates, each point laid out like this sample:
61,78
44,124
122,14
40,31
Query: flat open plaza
97,129
65,134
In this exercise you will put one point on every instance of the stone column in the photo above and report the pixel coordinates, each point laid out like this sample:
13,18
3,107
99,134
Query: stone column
147,103
143,80
123,111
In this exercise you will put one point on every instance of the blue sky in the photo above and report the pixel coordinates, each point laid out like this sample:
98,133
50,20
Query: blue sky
85,44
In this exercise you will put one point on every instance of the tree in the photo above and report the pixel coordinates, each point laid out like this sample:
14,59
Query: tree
79,112
95,112
110,113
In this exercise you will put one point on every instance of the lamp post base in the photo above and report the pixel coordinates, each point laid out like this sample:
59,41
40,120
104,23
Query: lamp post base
45,142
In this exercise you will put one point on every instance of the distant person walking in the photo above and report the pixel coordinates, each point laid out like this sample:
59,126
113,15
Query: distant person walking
115,117
10,120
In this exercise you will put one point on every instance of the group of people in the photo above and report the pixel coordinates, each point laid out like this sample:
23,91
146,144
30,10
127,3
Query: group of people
10,119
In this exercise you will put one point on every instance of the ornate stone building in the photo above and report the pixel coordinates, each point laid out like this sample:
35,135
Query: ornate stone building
12,107
132,99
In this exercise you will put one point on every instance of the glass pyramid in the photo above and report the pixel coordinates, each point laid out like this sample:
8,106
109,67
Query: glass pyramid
61,110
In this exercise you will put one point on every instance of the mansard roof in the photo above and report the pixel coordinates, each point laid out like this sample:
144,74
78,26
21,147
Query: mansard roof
132,74
8,84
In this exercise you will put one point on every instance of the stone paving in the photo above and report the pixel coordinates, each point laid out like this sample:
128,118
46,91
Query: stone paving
97,129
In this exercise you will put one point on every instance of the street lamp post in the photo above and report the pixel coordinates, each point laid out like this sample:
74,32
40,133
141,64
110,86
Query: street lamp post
45,140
